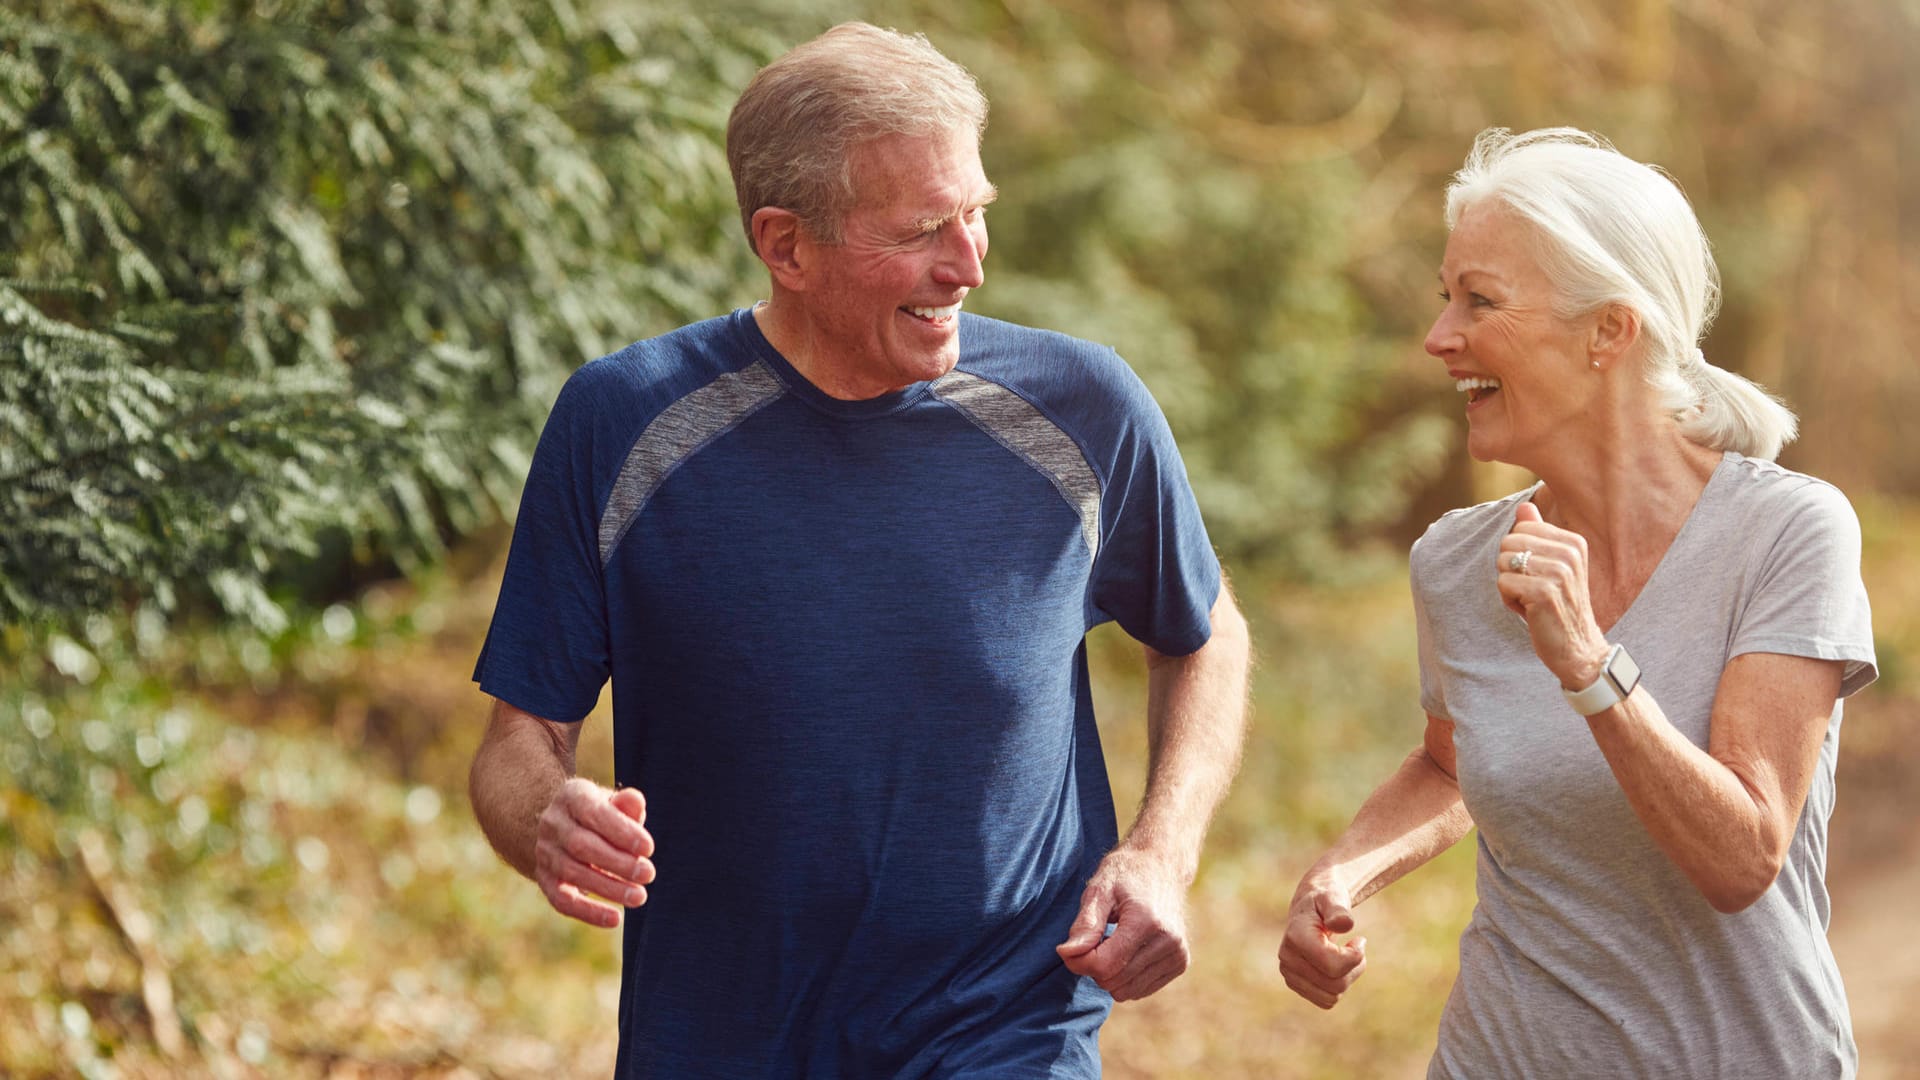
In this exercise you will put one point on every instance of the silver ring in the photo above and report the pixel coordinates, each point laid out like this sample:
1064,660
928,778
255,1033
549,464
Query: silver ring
1517,562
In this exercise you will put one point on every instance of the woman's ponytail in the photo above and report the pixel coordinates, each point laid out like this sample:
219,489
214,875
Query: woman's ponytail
1732,412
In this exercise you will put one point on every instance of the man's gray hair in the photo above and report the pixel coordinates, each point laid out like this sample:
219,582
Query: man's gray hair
1610,230
791,138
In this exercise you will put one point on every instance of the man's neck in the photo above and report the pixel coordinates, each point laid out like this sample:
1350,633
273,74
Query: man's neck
787,329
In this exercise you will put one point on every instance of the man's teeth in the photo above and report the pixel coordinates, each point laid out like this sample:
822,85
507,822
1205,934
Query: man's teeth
1464,385
935,313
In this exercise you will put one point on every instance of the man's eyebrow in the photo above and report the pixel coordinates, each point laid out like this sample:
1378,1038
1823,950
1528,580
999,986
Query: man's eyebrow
931,224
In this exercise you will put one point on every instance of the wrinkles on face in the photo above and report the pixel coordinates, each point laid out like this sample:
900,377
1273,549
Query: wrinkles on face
1501,337
971,214
882,303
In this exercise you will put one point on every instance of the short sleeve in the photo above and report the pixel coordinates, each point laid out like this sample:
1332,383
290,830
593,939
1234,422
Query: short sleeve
546,651
1432,696
1808,598
1155,573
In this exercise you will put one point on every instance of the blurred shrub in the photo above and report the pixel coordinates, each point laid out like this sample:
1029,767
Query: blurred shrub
273,272
181,894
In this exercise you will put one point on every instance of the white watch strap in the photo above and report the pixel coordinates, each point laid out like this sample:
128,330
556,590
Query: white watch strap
1618,676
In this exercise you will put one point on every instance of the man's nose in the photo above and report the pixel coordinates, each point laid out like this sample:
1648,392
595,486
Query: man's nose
962,250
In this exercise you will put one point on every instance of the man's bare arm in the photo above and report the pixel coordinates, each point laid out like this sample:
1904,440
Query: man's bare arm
1196,725
572,837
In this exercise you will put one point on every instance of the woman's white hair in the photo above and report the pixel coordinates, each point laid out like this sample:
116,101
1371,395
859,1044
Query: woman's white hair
1610,230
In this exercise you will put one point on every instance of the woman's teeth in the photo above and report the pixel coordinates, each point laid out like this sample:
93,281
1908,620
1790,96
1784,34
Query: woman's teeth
935,314
1475,389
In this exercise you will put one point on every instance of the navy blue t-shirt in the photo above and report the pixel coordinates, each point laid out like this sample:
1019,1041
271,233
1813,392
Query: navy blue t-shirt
845,639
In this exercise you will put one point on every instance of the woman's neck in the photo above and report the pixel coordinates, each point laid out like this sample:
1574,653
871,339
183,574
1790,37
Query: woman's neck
1628,495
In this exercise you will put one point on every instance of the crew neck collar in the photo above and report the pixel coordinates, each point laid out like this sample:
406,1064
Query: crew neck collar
803,388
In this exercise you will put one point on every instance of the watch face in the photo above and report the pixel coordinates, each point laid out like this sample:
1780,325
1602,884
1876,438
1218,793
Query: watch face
1622,672
1617,680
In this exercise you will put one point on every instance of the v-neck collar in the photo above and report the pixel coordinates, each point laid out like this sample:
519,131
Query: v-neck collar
1667,557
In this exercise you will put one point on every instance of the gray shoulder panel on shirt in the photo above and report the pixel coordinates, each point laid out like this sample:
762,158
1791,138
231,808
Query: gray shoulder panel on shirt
680,430
1013,422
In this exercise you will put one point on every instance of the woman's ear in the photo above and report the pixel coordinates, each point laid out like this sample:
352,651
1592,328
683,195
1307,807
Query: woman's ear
1616,329
780,239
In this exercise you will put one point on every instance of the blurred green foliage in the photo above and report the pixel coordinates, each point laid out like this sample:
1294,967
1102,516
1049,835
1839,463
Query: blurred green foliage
270,277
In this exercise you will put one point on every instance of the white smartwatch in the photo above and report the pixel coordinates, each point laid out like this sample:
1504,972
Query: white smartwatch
1618,676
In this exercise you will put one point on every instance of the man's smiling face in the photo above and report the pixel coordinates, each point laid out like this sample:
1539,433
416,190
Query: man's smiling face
884,302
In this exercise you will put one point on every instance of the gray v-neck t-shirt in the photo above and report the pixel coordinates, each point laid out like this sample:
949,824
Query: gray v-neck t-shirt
1589,953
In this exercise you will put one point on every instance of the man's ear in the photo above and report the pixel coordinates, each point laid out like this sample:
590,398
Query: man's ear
780,239
1616,329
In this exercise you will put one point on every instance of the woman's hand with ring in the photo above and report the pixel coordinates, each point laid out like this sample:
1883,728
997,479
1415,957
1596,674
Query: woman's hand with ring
1543,579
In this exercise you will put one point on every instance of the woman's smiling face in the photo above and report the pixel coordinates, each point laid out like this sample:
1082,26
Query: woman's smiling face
1523,368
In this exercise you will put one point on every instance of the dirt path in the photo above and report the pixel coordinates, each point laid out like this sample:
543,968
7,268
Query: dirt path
1873,937
1874,878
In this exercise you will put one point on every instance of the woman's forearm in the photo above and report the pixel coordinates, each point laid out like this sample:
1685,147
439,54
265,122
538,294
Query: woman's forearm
1414,815
1725,815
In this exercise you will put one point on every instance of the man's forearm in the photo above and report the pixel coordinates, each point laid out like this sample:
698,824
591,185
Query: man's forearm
523,761
1196,724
